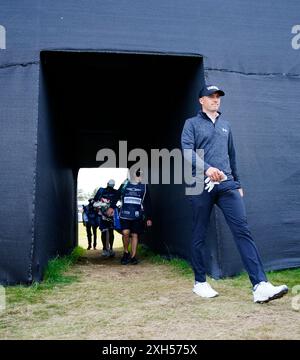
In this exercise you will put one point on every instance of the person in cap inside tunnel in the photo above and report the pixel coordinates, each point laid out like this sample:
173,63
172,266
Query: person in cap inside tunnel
90,221
135,211
102,202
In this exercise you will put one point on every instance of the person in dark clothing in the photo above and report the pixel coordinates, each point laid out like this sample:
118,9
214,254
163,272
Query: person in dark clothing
210,132
90,221
134,212
102,201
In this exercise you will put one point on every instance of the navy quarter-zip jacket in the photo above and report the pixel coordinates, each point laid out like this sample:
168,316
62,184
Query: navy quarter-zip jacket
215,139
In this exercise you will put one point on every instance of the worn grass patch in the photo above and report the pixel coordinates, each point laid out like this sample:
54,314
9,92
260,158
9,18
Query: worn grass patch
181,266
148,301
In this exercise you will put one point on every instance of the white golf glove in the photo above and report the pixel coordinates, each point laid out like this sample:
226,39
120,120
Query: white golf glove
210,184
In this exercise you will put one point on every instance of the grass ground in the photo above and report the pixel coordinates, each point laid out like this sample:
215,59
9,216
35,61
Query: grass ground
104,300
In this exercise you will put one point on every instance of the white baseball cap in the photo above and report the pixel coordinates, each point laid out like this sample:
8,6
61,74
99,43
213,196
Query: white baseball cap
111,183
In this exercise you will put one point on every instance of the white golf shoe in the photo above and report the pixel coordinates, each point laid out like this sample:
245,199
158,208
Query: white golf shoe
204,290
265,292
105,253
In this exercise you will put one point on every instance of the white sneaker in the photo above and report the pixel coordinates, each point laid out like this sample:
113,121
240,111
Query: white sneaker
265,292
105,253
111,253
203,289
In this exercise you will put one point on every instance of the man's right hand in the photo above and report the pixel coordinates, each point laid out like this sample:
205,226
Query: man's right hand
214,174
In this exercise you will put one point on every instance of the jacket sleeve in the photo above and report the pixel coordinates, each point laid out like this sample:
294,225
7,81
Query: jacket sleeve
98,194
147,204
188,142
232,158
85,218
116,197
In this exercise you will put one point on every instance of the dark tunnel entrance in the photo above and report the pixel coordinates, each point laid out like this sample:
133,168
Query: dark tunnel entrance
93,100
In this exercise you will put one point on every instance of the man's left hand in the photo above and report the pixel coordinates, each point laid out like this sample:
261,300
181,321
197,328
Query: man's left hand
241,192
210,183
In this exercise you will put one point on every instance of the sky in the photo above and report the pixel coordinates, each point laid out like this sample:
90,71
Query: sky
91,178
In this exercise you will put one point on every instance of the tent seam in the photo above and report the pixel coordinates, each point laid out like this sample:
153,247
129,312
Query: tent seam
20,64
253,73
30,270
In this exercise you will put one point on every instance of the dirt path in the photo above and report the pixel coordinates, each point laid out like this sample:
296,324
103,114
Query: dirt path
146,301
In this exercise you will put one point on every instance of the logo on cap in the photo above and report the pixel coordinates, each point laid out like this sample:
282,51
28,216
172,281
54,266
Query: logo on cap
212,88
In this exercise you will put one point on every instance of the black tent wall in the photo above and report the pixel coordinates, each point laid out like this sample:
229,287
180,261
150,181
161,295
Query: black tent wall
18,93
246,48
55,194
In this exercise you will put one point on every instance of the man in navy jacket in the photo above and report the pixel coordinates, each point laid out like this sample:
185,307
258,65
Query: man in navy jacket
210,132
135,211
90,221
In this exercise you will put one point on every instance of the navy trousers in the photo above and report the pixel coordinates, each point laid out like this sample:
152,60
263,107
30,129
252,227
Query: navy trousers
227,197
89,229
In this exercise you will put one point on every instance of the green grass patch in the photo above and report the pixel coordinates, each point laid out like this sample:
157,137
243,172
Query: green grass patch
54,275
290,277
179,265
56,268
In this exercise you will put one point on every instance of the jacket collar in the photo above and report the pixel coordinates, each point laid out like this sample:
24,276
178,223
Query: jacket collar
204,115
